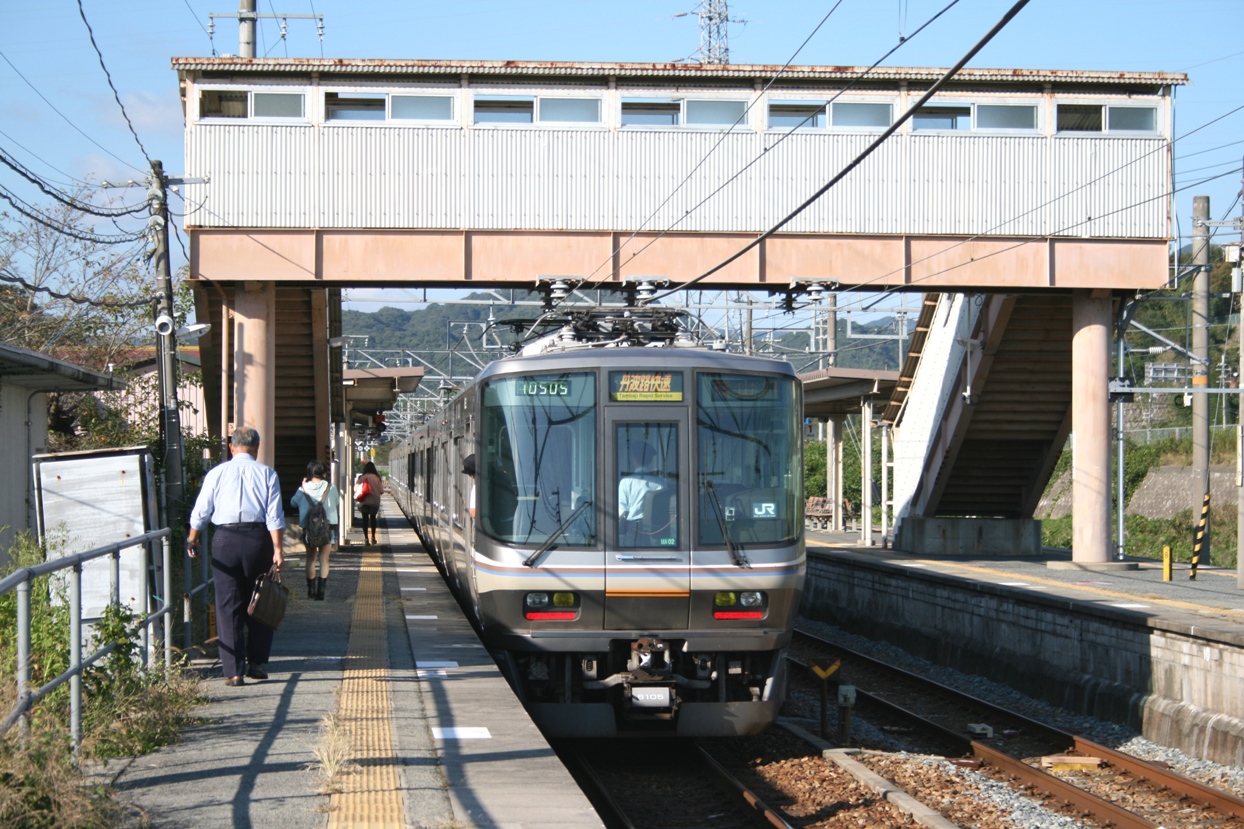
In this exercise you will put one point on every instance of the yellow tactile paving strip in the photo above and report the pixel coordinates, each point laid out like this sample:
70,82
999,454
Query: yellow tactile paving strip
371,796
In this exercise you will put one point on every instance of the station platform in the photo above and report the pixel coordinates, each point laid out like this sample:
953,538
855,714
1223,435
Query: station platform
387,661
1163,657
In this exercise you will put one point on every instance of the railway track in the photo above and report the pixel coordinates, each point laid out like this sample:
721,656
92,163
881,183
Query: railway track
1111,788
666,785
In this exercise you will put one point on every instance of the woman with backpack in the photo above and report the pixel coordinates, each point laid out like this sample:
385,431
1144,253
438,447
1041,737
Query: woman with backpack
317,502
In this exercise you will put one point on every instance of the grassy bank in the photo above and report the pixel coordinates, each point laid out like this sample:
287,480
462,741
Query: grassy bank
127,710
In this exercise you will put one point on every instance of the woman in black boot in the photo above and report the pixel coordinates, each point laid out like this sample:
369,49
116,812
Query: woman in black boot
369,504
317,492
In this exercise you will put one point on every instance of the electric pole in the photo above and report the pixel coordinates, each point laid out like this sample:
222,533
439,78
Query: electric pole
166,351
1200,349
247,16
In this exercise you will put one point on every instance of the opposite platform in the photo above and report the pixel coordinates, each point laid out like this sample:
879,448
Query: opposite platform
1165,658
438,737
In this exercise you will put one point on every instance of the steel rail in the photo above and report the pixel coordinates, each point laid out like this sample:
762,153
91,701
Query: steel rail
1172,781
1105,811
1048,731
603,791
749,798
1192,789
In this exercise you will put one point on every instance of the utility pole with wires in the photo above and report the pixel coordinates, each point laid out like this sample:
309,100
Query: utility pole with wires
246,16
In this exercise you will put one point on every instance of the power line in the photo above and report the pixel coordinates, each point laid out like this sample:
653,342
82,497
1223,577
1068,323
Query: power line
33,214
77,299
721,139
108,75
65,198
66,117
934,89
764,153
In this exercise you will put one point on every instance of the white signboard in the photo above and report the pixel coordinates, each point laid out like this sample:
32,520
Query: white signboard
90,499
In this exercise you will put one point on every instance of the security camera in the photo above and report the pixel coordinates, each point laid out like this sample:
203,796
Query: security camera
164,325
193,332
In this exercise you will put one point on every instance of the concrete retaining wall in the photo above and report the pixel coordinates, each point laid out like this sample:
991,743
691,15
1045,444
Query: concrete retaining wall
969,536
1174,679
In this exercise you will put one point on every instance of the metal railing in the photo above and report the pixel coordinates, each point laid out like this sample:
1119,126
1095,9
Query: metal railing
20,581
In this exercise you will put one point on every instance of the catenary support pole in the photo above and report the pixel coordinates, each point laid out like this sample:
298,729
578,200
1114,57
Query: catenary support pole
866,471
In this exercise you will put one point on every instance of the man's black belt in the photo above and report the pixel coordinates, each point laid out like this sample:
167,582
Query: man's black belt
250,525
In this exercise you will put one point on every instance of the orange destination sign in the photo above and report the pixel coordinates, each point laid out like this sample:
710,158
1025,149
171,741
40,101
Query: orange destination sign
645,386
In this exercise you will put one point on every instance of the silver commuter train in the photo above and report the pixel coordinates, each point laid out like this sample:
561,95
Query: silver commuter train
636,555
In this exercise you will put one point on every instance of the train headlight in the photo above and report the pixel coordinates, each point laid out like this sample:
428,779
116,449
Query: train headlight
748,604
556,607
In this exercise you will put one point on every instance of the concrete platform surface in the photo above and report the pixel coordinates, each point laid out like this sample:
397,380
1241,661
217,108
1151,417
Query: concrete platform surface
465,751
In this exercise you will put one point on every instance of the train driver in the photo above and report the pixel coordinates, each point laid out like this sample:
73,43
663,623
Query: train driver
641,480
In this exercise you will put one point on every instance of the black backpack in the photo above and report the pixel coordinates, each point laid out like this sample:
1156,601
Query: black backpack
317,530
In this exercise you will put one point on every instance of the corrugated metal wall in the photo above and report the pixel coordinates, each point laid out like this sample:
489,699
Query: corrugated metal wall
342,176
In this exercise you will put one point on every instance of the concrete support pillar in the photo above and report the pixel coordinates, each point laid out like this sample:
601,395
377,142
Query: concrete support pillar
254,360
866,472
833,470
885,482
1090,422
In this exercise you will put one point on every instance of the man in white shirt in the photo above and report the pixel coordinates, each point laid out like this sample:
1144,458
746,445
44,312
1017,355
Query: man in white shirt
242,499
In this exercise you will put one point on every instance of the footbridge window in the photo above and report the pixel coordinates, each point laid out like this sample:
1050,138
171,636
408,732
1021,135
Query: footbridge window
232,103
1107,118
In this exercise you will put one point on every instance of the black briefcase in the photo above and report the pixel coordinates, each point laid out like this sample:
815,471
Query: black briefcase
269,599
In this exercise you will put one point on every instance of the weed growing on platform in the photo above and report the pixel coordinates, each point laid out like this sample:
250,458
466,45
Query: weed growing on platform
126,709
333,754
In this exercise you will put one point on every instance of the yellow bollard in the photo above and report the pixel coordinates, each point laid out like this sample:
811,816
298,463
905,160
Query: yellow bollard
1166,563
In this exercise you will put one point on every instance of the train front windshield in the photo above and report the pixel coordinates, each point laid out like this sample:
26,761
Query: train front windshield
750,475
538,434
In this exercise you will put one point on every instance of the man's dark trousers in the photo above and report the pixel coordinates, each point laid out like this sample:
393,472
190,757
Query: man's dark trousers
238,558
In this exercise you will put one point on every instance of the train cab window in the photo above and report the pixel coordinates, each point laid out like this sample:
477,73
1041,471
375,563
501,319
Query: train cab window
750,480
646,464
536,462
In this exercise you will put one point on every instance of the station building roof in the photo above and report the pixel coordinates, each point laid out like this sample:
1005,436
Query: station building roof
39,372
742,72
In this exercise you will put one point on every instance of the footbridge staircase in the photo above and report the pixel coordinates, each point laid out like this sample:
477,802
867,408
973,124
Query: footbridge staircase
980,414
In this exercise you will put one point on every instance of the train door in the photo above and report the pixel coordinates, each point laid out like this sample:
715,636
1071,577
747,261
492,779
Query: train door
647,545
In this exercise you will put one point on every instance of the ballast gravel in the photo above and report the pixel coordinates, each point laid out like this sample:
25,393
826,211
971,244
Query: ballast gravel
1227,778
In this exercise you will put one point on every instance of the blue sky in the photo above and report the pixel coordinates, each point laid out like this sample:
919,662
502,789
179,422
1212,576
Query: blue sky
48,44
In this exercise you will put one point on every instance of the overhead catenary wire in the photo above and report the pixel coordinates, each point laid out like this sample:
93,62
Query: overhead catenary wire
859,159
111,85
759,96
764,153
